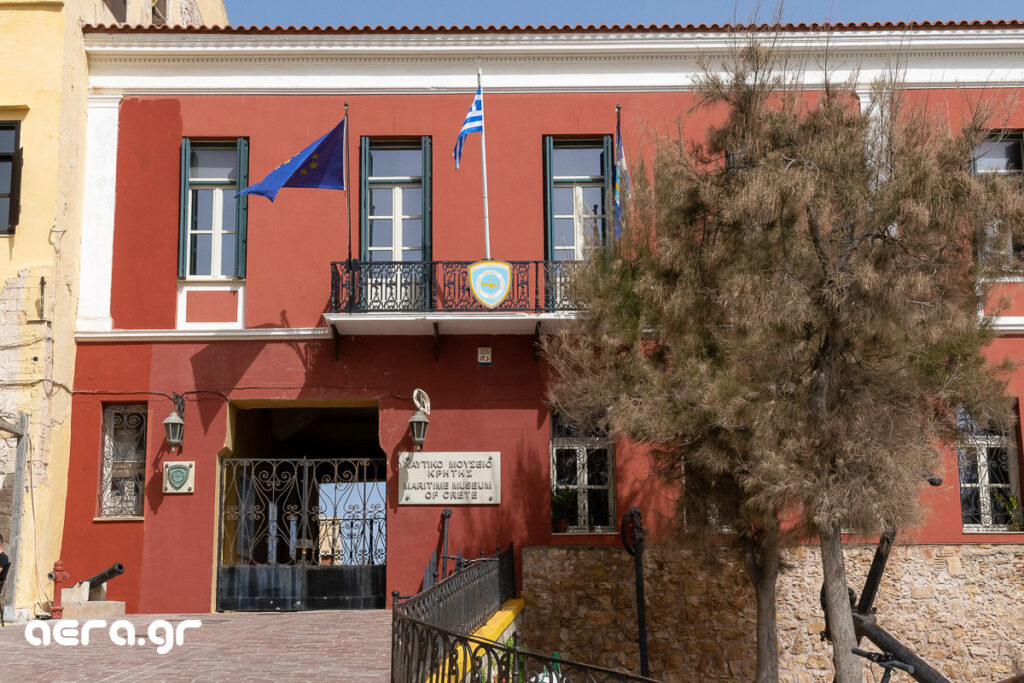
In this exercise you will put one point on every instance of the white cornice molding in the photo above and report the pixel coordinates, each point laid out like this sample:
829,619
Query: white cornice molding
252,334
1008,325
906,41
527,62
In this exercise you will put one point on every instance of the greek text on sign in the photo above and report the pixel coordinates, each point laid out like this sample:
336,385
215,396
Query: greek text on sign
449,478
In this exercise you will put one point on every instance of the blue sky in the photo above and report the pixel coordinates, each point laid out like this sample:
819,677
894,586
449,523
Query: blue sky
546,12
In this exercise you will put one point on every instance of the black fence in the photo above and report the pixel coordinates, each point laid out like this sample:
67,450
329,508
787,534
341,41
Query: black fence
443,286
431,641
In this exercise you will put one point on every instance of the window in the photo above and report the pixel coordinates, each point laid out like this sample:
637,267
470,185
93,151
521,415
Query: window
988,462
1001,155
582,480
158,12
577,174
10,175
212,233
394,273
118,9
395,200
124,460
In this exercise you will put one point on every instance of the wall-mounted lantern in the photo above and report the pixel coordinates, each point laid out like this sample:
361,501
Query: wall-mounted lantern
418,422
418,427
174,425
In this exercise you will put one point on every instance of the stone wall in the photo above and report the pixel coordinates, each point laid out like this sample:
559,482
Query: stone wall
960,607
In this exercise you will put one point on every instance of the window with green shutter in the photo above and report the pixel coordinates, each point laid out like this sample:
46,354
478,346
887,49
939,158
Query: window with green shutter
577,176
10,175
395,200
212,230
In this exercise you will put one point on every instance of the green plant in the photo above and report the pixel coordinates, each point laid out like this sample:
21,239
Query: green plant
1012,505
564,505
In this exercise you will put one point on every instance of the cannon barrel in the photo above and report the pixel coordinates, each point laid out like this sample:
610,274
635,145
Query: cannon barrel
107,574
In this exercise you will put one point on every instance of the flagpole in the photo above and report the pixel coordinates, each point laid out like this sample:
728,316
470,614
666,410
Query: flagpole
483,167
348,193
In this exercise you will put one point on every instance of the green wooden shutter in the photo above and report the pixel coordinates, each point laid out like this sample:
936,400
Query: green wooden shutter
426,189
607,167
364,196
548,192
241,207
186,155
15,208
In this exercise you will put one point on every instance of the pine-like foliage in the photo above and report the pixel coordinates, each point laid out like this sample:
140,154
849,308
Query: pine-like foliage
791,315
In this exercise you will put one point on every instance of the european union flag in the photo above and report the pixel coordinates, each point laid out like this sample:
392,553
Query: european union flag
322,165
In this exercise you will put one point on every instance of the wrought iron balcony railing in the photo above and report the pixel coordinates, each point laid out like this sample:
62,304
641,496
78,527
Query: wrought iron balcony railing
443,286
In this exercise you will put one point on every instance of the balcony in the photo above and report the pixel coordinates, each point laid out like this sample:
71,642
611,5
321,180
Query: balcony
433,297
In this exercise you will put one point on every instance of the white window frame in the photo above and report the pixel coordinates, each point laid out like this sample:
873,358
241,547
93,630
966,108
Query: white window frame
220,186
398,216
582,486
586,224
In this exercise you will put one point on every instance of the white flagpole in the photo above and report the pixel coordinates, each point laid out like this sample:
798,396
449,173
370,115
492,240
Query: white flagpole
483,167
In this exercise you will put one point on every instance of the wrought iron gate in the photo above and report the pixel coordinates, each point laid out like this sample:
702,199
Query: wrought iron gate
302,533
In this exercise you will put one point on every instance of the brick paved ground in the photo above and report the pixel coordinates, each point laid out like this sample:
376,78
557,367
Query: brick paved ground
310,646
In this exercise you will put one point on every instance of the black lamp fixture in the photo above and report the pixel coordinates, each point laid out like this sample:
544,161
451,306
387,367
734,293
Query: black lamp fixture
418,426
174,425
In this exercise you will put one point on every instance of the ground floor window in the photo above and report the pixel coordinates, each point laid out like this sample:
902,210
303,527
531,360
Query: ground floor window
582,480
124,460
988,463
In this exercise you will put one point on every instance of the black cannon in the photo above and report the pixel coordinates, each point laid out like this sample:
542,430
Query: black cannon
107,574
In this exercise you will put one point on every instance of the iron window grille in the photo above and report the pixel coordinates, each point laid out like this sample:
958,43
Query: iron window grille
212,222
988,465
10,175
582,478
124,460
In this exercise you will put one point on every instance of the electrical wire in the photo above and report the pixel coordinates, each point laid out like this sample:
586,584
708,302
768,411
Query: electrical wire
35,531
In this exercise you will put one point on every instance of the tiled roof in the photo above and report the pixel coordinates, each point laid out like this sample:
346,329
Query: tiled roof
603,28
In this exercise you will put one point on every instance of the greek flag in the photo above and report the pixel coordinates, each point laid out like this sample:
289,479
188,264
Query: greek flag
474,123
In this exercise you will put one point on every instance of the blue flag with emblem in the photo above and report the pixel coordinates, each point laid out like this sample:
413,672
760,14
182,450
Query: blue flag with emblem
474,123
321,165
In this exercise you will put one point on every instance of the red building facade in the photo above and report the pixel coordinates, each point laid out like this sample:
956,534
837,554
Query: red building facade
297,336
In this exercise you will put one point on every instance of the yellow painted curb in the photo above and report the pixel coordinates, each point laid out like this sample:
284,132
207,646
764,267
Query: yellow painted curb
497,624
491,631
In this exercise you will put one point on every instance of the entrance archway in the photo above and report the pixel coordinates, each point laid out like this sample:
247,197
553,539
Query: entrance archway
303,511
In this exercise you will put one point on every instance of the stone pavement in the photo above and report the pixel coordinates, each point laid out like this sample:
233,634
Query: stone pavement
240,647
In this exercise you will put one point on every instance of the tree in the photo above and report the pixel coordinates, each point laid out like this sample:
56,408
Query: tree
791,316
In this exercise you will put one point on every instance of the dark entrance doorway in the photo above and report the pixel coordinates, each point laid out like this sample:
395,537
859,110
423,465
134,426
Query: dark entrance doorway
300,530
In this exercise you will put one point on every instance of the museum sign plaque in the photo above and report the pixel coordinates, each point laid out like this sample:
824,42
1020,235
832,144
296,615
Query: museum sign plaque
449,478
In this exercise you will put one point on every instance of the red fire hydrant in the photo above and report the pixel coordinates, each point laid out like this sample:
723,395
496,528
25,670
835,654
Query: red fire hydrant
58,576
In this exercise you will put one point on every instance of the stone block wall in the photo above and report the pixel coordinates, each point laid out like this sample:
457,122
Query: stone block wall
960,607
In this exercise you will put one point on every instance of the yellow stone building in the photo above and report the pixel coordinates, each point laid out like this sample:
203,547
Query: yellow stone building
43,94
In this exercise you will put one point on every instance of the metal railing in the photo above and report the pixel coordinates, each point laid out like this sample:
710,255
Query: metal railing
443,286
431,641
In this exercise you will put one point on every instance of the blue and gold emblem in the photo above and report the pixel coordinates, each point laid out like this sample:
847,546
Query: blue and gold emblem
490,282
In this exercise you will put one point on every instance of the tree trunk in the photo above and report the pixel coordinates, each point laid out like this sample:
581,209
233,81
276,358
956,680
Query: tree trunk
840,618
767,625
